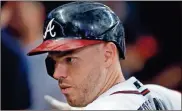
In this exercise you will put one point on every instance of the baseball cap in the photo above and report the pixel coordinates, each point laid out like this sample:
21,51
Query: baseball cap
79,24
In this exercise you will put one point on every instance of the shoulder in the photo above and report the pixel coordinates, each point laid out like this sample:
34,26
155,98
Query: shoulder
116,102
170,97
159,89
163,91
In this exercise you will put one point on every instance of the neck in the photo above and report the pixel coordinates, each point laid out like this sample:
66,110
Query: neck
113,77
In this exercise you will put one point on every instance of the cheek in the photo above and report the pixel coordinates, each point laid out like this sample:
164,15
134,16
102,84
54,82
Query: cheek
91,79
86,74
77,74
87,80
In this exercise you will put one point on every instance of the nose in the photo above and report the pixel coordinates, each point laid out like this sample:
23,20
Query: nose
60,71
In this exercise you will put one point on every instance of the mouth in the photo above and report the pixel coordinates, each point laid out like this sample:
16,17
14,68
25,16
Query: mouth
65,88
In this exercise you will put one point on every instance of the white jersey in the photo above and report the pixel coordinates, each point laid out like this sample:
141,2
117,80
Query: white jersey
133,95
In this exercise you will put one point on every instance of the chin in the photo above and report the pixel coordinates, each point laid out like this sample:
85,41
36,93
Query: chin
76,104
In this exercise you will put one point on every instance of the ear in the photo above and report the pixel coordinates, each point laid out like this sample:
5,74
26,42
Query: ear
110,53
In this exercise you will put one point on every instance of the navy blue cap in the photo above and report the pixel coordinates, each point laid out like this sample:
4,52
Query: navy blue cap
79,24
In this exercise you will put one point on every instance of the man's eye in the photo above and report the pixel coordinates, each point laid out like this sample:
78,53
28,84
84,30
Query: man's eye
69,60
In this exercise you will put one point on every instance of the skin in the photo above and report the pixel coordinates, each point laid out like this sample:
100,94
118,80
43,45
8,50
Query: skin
88,72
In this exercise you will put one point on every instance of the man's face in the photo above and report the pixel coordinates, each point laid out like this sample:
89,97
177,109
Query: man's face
80,73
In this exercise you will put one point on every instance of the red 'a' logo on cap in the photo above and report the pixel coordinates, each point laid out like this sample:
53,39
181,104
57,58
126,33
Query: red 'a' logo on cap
49,29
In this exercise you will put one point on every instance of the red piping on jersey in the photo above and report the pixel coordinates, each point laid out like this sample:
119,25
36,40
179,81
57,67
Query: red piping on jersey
144,92
126,92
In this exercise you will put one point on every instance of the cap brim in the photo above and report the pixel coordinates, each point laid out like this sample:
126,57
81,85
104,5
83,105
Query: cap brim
61,45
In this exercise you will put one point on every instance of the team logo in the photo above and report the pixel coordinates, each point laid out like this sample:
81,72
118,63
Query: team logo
49,29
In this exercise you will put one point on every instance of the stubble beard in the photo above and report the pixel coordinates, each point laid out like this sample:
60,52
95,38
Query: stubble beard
87,89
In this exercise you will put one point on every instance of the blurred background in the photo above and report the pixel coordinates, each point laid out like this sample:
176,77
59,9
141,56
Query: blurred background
153,41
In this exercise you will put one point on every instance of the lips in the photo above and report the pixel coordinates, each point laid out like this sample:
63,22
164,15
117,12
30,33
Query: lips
64,88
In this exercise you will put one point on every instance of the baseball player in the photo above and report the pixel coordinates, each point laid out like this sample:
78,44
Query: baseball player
85,41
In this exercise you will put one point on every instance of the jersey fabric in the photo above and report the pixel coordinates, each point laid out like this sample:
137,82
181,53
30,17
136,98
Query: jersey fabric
133,95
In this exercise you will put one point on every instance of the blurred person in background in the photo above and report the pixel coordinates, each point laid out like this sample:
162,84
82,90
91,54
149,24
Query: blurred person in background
15,89
25,21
